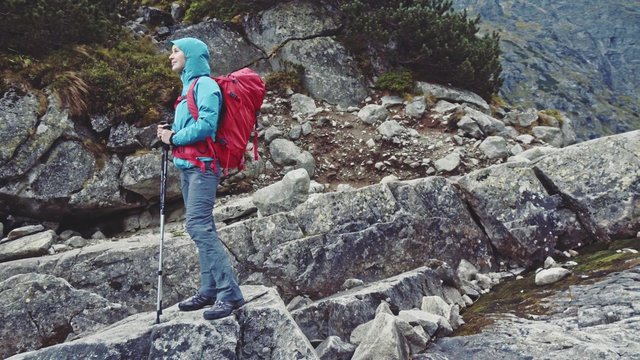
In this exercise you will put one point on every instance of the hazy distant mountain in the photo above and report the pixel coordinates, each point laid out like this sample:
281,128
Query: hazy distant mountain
579,56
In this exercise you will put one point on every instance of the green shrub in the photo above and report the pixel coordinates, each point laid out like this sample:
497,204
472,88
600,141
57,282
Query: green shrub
400,81
224,10
78,50
38,26
160,4
220,9
131,81
429,38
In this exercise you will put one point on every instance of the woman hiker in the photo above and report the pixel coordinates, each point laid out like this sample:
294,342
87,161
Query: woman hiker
199,176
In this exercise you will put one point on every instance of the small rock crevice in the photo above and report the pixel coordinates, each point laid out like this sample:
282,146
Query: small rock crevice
59,335
322,34
472,212
35,324
582,213
517,249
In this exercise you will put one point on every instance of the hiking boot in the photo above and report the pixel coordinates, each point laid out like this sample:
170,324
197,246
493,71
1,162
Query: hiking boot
221,309
196,302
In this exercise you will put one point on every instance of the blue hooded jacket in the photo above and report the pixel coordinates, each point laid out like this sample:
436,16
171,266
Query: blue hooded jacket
207,95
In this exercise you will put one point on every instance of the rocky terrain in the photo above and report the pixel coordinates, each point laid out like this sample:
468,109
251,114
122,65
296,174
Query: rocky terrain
438,131
357,272
371,226
590,320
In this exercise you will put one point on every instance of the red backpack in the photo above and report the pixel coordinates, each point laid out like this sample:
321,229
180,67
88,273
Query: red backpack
242,95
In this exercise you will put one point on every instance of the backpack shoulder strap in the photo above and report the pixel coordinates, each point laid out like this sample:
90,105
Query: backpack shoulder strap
191,100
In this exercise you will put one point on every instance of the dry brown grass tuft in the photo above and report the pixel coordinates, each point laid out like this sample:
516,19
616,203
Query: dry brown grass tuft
73,92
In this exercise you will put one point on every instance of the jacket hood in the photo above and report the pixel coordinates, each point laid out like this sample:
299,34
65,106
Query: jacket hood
197,59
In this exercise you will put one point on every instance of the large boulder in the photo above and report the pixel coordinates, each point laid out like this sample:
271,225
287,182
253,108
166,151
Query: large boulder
450,94
31,245
268,329
284,195
449,162
442,223
48,188
487,124
141,174
123,139
601,180
23,231
228,49
550,135
523,118
523,221
286,21
336,236
373,113
302,104
51,126
50,172
333,348
65,171
123,272
387,338
263,328
568,132
102,190
18,116
39,310
494,147
330,71
299,33
287,153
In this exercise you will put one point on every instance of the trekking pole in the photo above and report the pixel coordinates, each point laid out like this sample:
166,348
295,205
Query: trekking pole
163,191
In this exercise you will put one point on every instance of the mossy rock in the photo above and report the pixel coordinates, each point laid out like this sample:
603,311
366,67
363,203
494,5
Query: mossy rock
525,299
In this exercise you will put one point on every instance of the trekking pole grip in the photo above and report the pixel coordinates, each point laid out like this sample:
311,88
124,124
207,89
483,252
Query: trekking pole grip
165,125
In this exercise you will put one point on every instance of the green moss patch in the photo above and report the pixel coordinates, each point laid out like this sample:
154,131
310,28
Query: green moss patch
525,299
555,114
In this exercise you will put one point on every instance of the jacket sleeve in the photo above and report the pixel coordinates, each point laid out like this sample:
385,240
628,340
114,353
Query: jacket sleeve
209,100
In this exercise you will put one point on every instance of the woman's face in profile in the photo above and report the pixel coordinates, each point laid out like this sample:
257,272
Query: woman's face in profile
178,59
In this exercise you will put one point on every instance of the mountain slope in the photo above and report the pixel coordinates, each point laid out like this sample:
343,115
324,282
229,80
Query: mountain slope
582,57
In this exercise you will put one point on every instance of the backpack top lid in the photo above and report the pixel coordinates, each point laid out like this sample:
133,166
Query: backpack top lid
244,85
